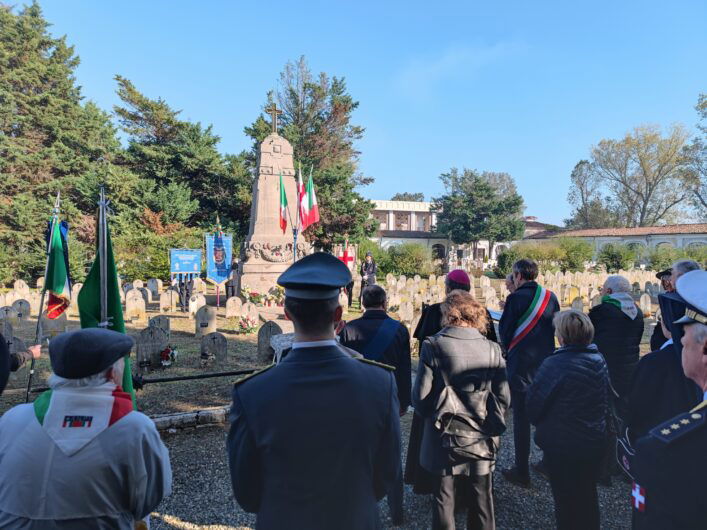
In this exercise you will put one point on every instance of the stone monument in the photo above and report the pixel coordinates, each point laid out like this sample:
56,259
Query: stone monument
267,252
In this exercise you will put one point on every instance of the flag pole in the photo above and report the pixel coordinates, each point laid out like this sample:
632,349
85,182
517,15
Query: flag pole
38,332
102,225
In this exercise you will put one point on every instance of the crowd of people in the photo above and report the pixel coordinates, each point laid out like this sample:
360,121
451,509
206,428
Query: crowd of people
315,440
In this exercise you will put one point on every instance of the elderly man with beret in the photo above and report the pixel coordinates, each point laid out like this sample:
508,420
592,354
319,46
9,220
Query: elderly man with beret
80,457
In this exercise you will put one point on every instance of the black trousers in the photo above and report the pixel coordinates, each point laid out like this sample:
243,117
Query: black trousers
521,432
480,499
574,486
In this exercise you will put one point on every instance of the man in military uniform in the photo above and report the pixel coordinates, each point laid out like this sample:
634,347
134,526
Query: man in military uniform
315,441
670,465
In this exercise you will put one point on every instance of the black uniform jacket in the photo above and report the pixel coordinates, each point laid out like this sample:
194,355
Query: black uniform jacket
4,363
618,338
670,467
358,334
660,390
315,441
431,322
370,270
523,361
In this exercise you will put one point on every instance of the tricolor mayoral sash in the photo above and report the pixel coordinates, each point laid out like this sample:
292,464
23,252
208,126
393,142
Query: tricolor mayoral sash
532,315
73,417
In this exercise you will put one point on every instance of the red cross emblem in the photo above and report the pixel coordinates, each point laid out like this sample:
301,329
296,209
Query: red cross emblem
639,497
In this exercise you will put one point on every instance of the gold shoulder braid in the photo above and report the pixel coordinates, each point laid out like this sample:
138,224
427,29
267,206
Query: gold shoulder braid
700,406
376,363
249,376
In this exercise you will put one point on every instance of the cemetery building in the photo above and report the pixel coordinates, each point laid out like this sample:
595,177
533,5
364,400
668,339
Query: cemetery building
415,222
681,236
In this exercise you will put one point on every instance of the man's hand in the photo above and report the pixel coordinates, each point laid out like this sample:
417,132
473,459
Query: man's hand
36,351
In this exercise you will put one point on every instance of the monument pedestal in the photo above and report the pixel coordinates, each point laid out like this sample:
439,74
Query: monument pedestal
268,251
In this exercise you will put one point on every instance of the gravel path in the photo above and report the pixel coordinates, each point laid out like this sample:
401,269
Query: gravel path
202,496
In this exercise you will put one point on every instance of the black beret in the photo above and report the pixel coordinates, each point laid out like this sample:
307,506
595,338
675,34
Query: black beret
86,352
318,276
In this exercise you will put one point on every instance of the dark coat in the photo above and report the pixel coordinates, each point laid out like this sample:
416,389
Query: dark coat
568,401
370,270
657,337
659,391
618,338
357,335
4,363
669,474
431,322
525,358
465,357
315,441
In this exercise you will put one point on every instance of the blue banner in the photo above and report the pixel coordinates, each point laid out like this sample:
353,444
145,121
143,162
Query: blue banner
219,256
184,261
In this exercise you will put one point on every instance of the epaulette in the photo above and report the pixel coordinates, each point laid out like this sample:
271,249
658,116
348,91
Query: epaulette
250,376
376,363
681,425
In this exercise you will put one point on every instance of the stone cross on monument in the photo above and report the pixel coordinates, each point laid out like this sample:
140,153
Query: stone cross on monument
267,252
274,113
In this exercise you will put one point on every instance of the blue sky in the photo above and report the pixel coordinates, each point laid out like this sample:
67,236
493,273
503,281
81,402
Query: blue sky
516,86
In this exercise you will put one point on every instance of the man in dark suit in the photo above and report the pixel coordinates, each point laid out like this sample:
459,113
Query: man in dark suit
670,467
315,441
380,338
528,336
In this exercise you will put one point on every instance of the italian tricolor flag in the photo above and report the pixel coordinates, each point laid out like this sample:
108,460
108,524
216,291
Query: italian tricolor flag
57,282
308,208
283,206
531,316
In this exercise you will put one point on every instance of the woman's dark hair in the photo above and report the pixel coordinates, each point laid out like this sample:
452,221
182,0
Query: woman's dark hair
456,286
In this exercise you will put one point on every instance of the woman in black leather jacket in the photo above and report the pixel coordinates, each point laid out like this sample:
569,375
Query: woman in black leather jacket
461,357
568,403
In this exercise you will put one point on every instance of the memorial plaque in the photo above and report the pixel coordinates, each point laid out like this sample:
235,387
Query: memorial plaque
214,348
205,321
234,306
265,333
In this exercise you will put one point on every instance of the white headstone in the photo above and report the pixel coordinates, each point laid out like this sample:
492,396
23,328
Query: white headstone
22,309
196,301
169,301
205,321
233,307
135,307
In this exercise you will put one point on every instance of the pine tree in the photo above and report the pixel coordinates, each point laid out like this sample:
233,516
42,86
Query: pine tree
316,120
49,141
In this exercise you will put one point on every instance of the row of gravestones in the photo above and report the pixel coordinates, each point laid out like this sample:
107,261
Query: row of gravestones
152,341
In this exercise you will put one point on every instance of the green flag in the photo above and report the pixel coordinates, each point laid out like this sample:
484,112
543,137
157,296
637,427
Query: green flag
90,302
57,282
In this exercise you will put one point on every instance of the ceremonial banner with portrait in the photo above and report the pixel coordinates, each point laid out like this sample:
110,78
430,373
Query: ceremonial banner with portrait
219,256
